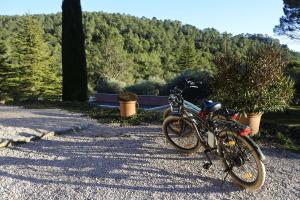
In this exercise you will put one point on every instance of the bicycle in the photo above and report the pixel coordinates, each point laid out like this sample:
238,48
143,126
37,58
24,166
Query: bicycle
177,103
196,127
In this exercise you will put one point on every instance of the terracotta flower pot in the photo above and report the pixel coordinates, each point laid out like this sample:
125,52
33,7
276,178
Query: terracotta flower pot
127,108
252,120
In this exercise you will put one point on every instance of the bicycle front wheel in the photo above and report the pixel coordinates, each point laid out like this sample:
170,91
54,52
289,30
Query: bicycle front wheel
166,113
241,160
181,134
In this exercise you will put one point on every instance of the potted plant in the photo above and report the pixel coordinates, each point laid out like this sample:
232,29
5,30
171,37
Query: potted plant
127,103
253,84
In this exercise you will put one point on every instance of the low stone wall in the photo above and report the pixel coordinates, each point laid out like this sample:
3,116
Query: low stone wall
147,100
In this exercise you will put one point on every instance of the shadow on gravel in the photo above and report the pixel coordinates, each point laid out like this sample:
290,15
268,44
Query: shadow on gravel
129,163
279,153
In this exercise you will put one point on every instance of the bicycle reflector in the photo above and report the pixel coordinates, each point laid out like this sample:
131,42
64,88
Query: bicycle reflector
202,114
248,175
246,131
234,117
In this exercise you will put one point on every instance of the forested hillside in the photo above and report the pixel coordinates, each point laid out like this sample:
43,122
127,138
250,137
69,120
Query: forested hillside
130,50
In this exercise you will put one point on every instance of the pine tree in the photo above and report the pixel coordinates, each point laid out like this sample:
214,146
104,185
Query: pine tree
114,60
31,60
289,24
188,56
8,76
73,53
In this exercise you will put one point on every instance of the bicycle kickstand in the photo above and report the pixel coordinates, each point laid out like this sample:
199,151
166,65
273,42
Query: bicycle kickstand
227,173
208,164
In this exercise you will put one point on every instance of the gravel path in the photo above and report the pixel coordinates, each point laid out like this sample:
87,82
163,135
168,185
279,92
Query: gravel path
109,162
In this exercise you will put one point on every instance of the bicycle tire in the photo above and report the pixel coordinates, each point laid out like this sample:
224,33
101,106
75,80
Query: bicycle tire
238,158
166,113
184,139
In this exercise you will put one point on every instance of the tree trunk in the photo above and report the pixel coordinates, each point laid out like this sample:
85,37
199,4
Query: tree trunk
73,53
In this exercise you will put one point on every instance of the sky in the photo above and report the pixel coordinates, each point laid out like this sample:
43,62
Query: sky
231,16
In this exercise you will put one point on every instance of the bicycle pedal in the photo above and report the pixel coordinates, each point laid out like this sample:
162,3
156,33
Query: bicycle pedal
206,166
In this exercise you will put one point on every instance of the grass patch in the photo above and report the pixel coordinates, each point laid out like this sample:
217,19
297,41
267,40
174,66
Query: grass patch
290,117
70,106
287,142
113,116
282,128
278,138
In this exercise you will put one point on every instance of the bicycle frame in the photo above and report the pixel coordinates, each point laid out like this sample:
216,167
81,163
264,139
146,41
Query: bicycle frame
193,113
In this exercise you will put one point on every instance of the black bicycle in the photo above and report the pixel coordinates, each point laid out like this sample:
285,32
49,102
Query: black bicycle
188,127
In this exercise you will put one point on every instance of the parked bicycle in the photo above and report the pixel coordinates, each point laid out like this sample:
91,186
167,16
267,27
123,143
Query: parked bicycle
188,127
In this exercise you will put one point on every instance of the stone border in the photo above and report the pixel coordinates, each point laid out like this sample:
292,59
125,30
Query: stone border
22,140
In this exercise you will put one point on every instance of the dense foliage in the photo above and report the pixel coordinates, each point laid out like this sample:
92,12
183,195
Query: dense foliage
26,68
255,83
127,96
126,50
202,79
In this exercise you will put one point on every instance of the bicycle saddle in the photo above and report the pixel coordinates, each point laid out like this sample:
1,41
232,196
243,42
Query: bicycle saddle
209,106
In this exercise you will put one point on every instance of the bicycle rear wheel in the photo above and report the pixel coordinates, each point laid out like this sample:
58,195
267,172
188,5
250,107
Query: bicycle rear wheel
241,160
181,134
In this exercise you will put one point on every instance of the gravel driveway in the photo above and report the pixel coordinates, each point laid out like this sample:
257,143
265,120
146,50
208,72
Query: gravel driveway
110,162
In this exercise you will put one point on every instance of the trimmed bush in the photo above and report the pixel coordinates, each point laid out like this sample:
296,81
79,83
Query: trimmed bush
110,86
255,83
127,96
148,87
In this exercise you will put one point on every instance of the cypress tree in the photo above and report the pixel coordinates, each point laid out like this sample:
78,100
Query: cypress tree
73,53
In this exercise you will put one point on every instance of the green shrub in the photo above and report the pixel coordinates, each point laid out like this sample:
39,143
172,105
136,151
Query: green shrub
294,71
255,83
105,115
202,79
3,96
147,87
110,86
127,96
286,142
